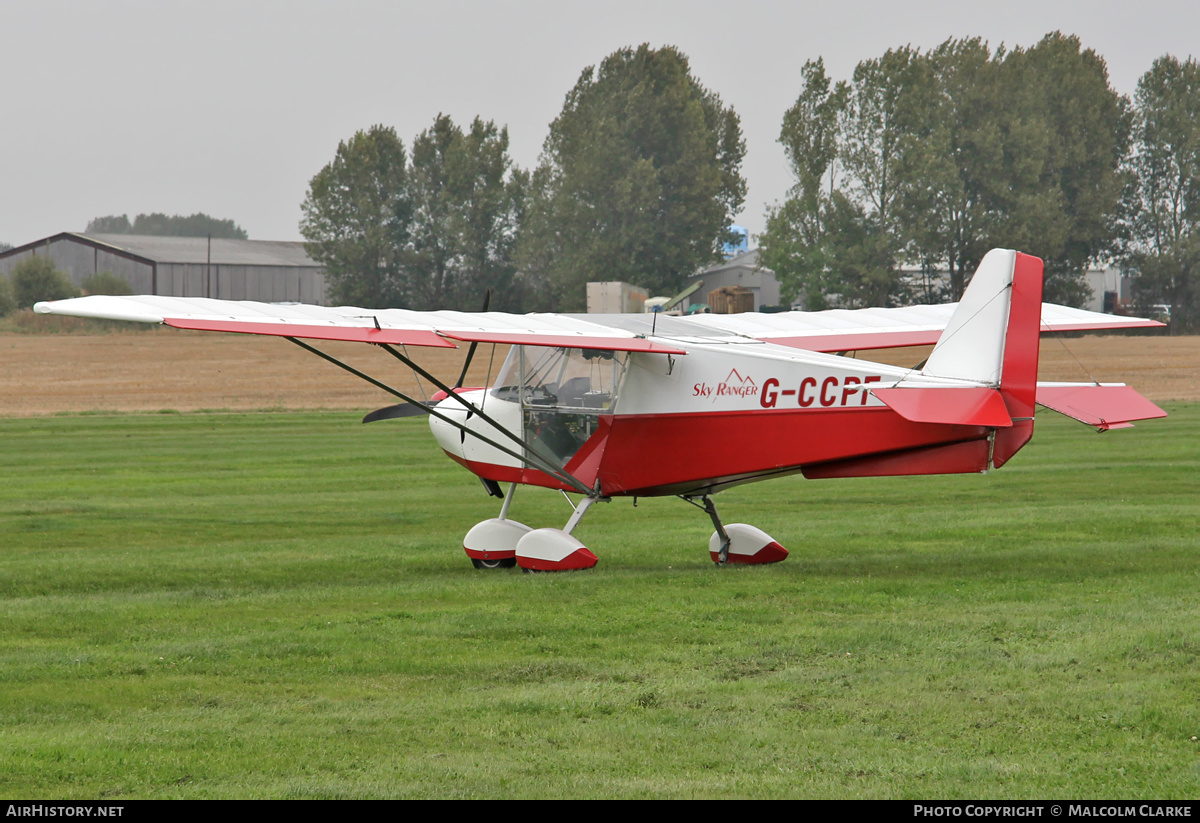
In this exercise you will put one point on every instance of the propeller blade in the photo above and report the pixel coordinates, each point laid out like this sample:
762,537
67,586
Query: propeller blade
398,410
487,299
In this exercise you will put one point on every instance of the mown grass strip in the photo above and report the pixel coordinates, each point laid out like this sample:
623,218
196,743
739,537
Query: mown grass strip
277,605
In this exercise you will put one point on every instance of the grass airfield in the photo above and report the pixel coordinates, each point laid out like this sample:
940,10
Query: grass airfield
277,605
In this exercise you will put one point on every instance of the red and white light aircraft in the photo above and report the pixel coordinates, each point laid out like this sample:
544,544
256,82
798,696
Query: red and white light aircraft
598,404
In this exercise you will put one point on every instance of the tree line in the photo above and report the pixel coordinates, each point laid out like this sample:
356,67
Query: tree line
167,225
928,159
921,162
638,180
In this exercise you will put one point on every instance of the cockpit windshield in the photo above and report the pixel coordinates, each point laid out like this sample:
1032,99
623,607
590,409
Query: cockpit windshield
562,393
543,377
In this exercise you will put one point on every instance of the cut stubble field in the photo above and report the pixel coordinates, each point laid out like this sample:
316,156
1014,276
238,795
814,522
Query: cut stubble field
277,605
164,368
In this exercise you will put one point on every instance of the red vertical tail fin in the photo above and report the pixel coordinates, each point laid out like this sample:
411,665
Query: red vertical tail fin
1018,376
992,340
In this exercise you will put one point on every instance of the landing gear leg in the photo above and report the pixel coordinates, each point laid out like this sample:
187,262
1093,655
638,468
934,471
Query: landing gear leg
723,551
738,542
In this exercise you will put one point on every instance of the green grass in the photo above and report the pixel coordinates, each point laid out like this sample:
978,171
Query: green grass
277,605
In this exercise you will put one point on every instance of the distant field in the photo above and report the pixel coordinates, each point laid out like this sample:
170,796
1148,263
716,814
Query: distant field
162,368
277,605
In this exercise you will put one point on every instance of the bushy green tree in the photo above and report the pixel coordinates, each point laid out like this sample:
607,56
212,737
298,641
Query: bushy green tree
639,179
356,219
466,198
105,282
37,278
957,162
433,232
7,302
1165,229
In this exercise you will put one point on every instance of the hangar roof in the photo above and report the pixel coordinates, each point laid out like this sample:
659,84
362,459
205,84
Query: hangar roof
153,249
744,260
195,250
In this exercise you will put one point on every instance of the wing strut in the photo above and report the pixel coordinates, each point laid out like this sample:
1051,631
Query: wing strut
536,460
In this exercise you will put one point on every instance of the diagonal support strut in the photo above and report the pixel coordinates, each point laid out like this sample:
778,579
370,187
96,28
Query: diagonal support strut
533,459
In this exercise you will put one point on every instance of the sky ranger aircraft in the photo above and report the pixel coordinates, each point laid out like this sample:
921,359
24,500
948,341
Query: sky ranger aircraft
598,404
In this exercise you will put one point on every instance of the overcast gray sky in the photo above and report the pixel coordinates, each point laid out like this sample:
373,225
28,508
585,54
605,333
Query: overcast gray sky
229,108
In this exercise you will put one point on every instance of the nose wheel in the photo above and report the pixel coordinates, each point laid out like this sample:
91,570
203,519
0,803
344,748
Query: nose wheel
501,563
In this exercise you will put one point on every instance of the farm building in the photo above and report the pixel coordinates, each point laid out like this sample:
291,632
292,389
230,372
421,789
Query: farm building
741,270
264,270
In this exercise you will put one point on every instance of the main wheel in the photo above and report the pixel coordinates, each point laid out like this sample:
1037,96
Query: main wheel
502,563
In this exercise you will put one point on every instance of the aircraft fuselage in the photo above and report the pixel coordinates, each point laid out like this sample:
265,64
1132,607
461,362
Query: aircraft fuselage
653,424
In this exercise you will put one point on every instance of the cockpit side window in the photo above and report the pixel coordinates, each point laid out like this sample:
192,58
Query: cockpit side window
543,377
562,392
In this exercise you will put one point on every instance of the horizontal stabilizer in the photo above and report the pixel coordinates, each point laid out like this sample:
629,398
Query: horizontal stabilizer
966,406
1105,406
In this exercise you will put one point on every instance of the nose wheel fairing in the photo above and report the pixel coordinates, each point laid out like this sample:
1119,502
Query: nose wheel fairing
504,543
544,550
494,539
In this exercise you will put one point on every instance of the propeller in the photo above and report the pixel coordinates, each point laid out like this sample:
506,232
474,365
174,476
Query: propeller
414,409
487,299
399,410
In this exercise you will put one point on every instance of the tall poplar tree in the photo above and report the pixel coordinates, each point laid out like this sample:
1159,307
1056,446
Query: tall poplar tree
356,220
1166,164
1068,216
467,199
796,244
639,179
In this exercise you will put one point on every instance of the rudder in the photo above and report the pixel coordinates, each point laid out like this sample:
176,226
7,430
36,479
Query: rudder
992,339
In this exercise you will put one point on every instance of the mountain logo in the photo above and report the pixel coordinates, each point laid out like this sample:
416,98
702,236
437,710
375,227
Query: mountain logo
735,385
